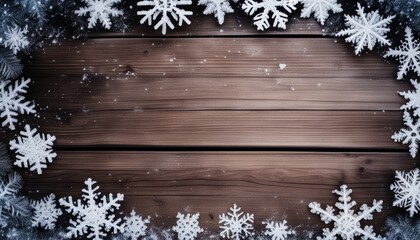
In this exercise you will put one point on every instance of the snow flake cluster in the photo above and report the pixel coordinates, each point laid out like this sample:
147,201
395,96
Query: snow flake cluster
407,190
45,213
187,226
135,226
409,135
99,10
217,7
15,38
236,224
277,230
320,8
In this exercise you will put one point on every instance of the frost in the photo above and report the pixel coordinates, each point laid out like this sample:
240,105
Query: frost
366,29
15,38
100,10
135,226
93,212
45,212
261,20
235,224
407,190
320,9
187,226
409,135
346,222
277,230
217,7
413,98
33,150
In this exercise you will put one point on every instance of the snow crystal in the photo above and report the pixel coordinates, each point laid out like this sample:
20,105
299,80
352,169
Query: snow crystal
15,38
235,224
409,135
413,98
135,226
320,9
217,7
277,230
407,190
45,212
99,10
187,226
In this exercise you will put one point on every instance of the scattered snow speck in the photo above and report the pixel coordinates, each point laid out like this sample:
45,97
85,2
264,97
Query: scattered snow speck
282,66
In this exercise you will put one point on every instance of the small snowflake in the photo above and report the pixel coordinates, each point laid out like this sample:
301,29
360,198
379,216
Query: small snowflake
15,38
409,135
261,20
91,215
407,191
217,7
236,225
277,230
12,101
45,212
34,150
100,10
187,226
320,9
366,29
166,8
347,223
413,98
135,226
408,54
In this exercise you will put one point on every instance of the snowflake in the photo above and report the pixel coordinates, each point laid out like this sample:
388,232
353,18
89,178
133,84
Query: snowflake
409,135
12,101
187,226
99,10
91,215
218,7
45,212
407,191
167,8
135,226
347,223
366,29
34,150
413,98
236,225
15,38
261,19
277,230
408,54
320,9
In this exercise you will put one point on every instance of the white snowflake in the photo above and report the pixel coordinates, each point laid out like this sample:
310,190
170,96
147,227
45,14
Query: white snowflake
187,226
34,150
217,7
15,38
408,54
277,230
320,9
12,101
236,225
409,135
366,29
45,212
407,190
347,223
261,20
166,8
93,216
99,10
135,226
413,98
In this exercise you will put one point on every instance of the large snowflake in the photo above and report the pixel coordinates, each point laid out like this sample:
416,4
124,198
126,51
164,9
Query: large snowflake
187,226
320,9
45,212
409,135
93,212
261,20
12,101
217,7
407,190
15,38
366,29
34,150
408,54
135,226
346,222
235,224
100,10
413,98
166,8
278,230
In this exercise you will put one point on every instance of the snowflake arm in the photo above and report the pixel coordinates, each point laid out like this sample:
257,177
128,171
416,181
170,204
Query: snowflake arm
408,55
135,226
46,212
187,226
15,38
99,10
413,98
407,190
236,224
409,135
217,7
277,230
320,9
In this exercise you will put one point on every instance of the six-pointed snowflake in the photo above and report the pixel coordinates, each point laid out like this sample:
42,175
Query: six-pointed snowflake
261,20
100,10
93,213
187,226
15,38
277,230
366,29
166,8
45,212
408,54
34,150
407,190
135,226
320,9
413,98
235,224
217,7
346,222
12,101
409,135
